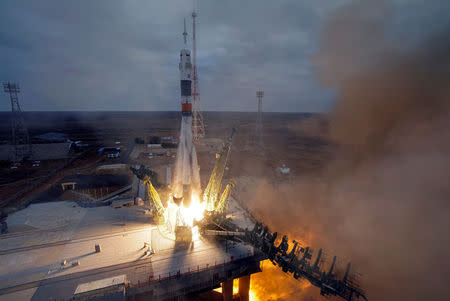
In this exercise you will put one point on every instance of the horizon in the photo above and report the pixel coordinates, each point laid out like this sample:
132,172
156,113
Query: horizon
172,111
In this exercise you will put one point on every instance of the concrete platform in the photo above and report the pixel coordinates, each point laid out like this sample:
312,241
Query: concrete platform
55,253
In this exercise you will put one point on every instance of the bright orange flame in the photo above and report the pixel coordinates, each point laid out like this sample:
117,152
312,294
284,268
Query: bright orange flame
252,296
274,284
193,213
235,286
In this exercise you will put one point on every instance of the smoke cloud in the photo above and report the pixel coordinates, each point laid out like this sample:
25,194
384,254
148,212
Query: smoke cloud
383,200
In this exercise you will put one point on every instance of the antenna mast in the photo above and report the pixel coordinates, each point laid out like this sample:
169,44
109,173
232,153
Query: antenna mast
197,122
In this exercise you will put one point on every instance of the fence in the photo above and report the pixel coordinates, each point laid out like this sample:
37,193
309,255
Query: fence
191,270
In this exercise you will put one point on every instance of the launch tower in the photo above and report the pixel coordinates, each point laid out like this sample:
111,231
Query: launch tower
198,125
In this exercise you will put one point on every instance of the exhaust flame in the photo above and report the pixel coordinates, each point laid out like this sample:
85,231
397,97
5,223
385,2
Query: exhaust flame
194,211
179,215
274,284
252,296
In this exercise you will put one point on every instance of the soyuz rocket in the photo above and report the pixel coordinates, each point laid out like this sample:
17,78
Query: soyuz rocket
186,176
185,67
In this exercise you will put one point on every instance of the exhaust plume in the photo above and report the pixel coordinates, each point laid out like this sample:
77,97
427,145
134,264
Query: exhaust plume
383,201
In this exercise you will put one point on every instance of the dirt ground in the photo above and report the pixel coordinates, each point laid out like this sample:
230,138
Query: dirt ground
283,143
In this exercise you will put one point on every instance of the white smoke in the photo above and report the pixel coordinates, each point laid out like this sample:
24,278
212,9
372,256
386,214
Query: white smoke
186,166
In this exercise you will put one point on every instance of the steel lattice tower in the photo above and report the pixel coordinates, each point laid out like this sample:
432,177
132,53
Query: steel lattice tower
198,126
259,129
20,137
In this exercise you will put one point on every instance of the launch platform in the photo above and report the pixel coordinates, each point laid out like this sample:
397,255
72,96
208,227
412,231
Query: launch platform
61,251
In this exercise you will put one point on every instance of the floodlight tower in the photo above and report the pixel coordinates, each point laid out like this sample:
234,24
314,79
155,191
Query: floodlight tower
259,96
20,137
197,122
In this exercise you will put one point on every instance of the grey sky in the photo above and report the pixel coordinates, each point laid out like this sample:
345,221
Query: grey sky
123,55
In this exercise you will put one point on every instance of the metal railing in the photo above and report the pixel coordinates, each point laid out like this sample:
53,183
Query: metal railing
190,270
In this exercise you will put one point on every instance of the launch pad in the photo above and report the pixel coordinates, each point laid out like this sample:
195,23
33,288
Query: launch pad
53,258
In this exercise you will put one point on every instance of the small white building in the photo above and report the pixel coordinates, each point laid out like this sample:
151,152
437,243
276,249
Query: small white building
284,170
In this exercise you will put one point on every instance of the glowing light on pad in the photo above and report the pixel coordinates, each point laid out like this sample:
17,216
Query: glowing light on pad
194,211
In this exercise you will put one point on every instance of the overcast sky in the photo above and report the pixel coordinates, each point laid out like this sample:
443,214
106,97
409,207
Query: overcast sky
123,55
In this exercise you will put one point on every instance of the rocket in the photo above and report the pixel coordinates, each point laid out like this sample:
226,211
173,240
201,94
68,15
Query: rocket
186,176
185,67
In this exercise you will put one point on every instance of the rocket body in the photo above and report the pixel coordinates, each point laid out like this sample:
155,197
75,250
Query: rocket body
185,67
186,176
